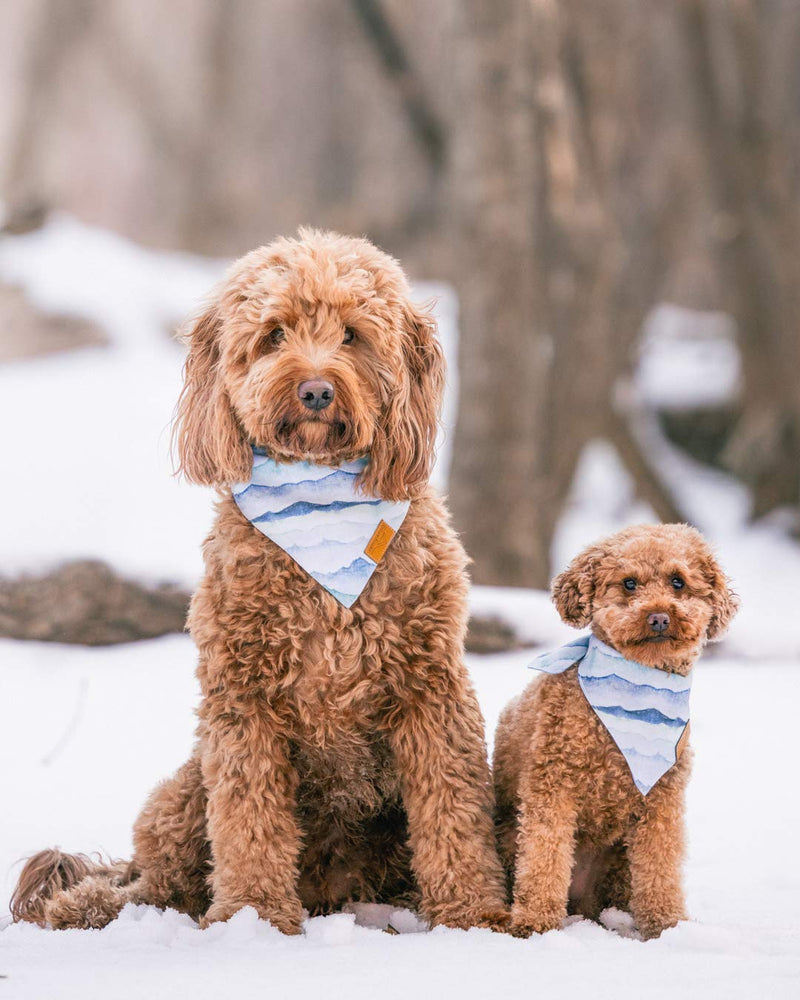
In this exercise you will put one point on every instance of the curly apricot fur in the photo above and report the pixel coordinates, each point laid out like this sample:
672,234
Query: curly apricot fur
574,832
340,752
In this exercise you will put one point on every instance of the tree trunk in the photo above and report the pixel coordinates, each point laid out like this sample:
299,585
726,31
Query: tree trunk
556,269
750,173
498,489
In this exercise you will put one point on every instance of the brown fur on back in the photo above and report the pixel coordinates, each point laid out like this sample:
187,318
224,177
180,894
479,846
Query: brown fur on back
340,752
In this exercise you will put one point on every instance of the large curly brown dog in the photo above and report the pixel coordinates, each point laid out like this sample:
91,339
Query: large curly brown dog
574,830
340,753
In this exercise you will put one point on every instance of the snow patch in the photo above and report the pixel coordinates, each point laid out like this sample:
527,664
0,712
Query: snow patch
688,359
742,940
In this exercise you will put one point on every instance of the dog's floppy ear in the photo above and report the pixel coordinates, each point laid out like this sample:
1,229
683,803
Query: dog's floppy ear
573,590
724,602
403,451
212,449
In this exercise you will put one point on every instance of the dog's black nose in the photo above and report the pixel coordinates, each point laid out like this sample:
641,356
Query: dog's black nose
316,393
658,622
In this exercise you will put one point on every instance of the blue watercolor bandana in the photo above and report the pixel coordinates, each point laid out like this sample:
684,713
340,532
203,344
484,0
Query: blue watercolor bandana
645,710
319,516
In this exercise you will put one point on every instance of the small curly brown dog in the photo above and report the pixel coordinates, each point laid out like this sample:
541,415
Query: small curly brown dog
340,752
575,833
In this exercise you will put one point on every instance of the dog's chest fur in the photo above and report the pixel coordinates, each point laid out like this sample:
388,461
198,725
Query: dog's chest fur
337,740
330,675
607,800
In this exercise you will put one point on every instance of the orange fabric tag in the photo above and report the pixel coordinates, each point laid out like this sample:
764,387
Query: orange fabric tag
379,543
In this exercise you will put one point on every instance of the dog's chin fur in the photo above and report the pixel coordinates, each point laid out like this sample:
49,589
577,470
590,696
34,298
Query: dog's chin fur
325,442
675,652
670,655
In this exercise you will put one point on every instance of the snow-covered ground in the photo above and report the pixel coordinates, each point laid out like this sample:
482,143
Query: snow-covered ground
87,732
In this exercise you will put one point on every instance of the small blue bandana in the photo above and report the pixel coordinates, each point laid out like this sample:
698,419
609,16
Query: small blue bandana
321,518
644,709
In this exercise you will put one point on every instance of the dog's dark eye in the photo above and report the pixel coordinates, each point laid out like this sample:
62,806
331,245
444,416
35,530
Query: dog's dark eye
629,583
271,340
677,582
349,335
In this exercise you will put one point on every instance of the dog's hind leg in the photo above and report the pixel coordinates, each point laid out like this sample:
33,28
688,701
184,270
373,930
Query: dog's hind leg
368,861
505,826
93,902
170,861
600,878
171,849
169,869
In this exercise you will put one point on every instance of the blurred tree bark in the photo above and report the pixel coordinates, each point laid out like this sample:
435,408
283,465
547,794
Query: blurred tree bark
568,164
212,126
745,87
558,263
498,486
599,153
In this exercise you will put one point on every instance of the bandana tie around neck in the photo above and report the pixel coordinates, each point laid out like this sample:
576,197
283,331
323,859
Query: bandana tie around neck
319,516
644,709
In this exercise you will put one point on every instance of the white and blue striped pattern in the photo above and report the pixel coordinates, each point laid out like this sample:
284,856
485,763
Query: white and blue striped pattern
319,516
645,710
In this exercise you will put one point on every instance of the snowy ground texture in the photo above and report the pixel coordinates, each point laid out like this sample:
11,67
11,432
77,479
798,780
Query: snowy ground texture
88,732
118,720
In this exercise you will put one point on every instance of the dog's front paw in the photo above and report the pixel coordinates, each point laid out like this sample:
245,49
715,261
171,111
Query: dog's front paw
495,918
651,925
284,918
527,920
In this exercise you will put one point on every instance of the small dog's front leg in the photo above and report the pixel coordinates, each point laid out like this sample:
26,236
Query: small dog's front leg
251,822
545,855
441,756
656,852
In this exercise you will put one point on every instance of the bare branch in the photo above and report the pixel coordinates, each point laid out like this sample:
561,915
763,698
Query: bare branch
425,123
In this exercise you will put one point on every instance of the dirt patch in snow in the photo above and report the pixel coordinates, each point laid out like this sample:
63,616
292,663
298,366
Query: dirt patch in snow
88,603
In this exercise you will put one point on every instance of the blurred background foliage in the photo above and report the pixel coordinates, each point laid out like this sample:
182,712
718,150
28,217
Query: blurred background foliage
570,167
